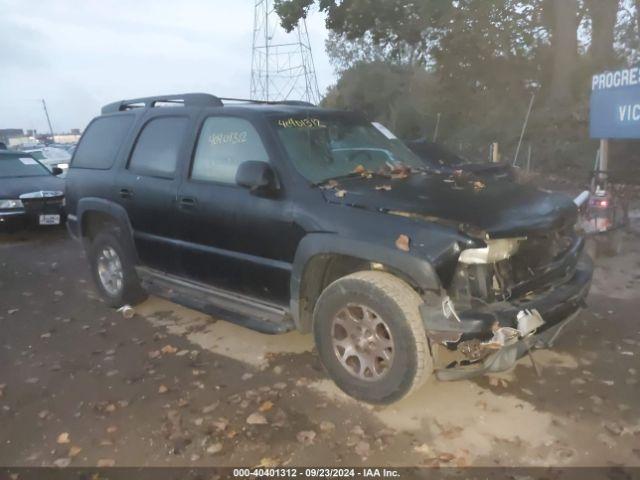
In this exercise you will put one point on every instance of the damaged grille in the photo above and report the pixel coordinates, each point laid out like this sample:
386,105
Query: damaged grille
537,265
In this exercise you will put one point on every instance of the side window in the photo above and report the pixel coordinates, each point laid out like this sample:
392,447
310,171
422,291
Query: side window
101,142
156,151
224,143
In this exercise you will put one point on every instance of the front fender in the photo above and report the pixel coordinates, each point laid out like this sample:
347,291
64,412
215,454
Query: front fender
418,270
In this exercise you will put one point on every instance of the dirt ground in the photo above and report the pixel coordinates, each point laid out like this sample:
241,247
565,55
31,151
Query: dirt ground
80,385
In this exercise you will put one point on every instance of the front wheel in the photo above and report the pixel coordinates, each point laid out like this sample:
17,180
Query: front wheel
370,337
113,271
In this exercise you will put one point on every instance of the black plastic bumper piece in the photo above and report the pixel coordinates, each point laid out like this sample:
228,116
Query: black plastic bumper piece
554,304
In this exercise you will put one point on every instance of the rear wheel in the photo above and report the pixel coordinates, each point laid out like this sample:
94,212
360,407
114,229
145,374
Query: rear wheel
113,270
370,337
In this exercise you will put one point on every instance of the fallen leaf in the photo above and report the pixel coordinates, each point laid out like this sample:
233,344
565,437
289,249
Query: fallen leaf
446,457
267,462
220,424
162,389
210,408
62,462
168,349
359,169
106,462
214,448
363,449
385,188
326,426
74,451
340,193
306,437
153,354
256,419
63,438
423,449
478,185
266,406
402,243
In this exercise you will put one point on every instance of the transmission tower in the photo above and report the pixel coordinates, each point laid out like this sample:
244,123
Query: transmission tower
282,65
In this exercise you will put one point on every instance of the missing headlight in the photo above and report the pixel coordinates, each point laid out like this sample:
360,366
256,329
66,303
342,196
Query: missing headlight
495,251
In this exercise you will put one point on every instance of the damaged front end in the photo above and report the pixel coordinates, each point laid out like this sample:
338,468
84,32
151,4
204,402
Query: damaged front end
505,298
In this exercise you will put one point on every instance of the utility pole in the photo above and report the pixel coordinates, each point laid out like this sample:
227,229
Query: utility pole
44,105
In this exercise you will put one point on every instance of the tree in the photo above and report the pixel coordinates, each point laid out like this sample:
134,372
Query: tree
603,21
563,15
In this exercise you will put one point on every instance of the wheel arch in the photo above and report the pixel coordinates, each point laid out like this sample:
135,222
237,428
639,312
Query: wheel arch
322,258
96,213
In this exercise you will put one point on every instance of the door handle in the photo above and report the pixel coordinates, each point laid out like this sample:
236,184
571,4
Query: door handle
188,202
126,193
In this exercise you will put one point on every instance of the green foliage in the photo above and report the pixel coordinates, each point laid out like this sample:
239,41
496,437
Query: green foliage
477,63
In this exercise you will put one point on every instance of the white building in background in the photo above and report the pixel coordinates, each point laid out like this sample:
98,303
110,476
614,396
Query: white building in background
66,138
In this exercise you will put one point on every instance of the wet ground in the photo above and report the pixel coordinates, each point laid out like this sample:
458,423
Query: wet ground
80,385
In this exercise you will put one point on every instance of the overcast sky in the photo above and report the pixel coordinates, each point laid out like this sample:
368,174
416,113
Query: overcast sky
82,54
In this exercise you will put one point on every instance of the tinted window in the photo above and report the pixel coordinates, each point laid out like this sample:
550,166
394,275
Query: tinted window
101,141
226,142
156,151
21,166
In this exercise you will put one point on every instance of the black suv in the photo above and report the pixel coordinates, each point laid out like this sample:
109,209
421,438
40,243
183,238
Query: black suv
282,216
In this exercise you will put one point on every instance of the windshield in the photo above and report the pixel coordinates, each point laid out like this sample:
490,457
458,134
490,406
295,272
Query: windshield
322,148
16,166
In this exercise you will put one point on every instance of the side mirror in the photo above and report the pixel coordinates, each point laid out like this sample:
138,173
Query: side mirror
57,171
257,176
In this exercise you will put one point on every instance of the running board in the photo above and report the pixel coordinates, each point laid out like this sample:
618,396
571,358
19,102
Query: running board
240,309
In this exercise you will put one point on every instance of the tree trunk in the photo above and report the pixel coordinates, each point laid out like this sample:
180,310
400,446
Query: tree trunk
603,20
564,38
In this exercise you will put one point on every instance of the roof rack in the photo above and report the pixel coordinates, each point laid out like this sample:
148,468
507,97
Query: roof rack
191,100
186,99
299,103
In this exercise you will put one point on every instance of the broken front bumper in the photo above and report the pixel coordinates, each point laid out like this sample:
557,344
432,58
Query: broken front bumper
557,305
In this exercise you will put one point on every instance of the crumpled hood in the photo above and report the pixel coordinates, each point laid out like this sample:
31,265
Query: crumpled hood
499,207
14,187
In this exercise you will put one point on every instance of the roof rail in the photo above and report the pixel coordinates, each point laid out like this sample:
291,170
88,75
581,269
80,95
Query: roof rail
186,99
298,103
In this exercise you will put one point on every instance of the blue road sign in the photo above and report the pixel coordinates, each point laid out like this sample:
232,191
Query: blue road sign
615,104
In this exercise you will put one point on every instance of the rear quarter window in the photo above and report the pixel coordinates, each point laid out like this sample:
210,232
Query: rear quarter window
101,142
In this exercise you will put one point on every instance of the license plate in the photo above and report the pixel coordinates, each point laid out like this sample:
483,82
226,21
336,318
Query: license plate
49,220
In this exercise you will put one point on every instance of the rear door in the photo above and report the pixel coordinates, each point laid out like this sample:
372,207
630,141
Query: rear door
148,187
233,239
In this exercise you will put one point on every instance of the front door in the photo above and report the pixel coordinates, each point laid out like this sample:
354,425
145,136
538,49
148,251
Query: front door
231,238
148,188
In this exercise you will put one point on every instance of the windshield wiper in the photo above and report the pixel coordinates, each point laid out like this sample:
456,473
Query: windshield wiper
339,177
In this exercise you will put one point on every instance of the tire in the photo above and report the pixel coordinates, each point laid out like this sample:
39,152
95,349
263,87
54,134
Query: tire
129,291
393,309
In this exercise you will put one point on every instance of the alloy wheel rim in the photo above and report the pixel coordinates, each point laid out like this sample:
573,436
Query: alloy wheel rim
110,271
362,342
